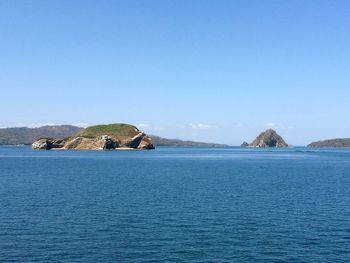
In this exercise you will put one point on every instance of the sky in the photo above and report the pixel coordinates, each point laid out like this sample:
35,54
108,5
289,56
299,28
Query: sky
214,71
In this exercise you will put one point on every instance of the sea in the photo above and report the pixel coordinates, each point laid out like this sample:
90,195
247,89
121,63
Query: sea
175,205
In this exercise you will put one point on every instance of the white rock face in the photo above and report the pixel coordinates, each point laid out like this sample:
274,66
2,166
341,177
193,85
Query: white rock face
40,144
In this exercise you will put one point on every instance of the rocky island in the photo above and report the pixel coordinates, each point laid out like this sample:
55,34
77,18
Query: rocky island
100,137
244,144
268,138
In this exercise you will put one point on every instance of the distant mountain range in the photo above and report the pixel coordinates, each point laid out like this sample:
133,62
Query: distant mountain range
24,135
331,143
159,141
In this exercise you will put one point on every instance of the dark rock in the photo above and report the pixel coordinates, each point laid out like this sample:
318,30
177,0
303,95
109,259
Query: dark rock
108,143
56,143
135,141
244,144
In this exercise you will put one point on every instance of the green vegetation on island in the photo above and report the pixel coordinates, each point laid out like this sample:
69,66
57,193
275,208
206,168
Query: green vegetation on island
117,129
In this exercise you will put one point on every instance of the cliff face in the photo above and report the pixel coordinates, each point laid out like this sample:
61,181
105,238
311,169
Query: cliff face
269,138
100,137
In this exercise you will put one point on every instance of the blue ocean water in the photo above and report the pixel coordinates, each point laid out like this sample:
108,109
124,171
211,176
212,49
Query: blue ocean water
175,205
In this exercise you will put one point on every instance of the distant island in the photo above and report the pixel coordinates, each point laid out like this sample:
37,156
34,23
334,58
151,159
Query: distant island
331,143
26,136
159,141
268,138
99,137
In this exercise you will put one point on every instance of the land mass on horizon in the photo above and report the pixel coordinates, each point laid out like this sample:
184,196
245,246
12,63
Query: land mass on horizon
339,142
26,136
268,138
99,137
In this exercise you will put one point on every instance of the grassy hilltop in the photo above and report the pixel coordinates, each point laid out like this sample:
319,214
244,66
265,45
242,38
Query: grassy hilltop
113,130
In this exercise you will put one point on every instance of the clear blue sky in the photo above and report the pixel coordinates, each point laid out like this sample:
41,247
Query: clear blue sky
217,71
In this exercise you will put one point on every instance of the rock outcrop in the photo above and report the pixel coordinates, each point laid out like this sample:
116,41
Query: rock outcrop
100,137
81,143
135,141
46,144
244,144
269,138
